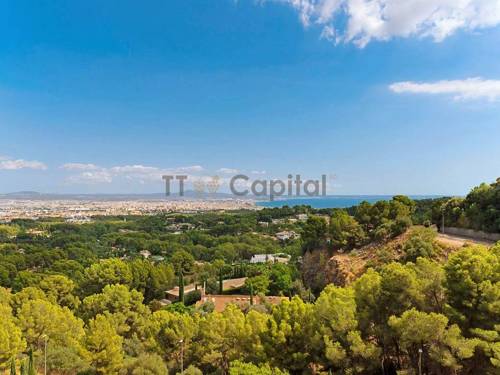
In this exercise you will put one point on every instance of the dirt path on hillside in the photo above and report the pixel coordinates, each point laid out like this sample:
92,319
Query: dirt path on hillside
458,241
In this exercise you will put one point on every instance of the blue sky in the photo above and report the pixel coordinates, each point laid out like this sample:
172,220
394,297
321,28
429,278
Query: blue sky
106,96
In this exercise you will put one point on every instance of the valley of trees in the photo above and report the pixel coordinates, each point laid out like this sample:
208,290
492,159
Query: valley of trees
87,298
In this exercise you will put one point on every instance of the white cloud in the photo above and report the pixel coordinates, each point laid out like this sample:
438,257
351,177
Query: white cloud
93,174
467,89
79,167
94,177
10,164
329,34
228,170
367,20
258,172
134,169
191,168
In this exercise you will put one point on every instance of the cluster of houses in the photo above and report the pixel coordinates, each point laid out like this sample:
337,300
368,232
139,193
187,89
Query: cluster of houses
287,220
220,301
270,258
178,228
287,235
78,219
146,254
172,295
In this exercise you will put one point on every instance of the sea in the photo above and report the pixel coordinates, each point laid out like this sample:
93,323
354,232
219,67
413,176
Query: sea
334,201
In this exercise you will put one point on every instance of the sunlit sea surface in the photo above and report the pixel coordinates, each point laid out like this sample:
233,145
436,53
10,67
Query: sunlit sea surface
334,201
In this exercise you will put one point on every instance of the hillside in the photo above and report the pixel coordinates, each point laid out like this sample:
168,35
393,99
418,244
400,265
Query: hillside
343,268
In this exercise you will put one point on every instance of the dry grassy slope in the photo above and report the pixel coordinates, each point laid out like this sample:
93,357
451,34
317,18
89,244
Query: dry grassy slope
342,269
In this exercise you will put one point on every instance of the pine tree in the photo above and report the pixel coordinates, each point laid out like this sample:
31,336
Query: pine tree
181,287
31,363
104,345
221,282
13,367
